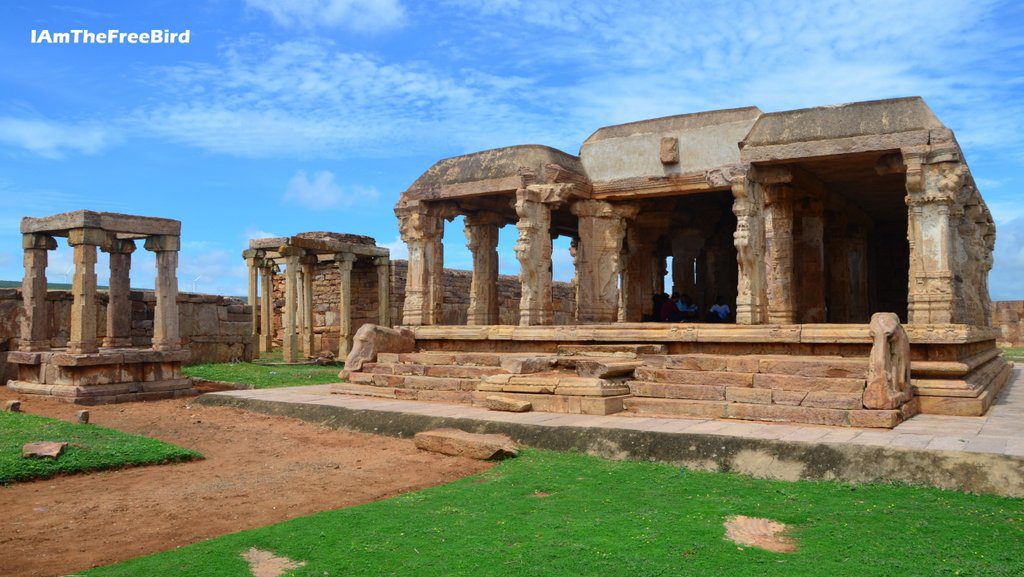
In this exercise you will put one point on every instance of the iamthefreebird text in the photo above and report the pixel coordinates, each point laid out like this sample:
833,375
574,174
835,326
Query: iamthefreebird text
81,36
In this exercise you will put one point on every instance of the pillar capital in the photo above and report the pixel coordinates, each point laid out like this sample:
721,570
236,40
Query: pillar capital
88,236
344,257
381,261
119,246
603,209
38,241
163,243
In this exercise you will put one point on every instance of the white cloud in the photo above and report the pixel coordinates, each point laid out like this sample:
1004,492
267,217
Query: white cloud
1006,281
322,191
399,250
358,15
53,139
254,233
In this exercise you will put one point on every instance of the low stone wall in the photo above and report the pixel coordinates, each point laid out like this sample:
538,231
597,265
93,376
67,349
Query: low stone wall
1008,317
326,297
214,328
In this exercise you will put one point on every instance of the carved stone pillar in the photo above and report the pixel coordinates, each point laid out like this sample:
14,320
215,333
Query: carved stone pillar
165,315
300,309
267,307
749,242
639,269
383,265
83,289
253,262
778,233
857,261
602,228
35,322
809,251
119,307
534,253
482,241
932,188
291,288
422,230
838,256
344,262
308,319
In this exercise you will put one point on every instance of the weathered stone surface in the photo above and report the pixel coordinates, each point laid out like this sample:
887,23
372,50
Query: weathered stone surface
605,369
82,417
373,339
463,444
43,449
526,365
888,384
512,405
794,383
13,406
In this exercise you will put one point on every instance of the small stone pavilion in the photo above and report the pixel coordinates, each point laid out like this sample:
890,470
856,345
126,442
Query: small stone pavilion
304,257
829,232
89,371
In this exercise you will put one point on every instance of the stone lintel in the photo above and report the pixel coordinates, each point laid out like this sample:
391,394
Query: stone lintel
38,241
771,174
61,224
272,246
345,257
163,243
381,261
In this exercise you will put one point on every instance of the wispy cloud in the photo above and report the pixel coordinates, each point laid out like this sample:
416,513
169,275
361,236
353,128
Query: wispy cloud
52,139
357,15
1007,277
322,191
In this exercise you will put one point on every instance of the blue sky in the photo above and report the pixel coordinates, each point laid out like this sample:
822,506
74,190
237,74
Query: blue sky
297,115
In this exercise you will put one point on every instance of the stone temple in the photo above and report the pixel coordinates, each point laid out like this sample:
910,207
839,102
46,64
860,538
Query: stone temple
850,243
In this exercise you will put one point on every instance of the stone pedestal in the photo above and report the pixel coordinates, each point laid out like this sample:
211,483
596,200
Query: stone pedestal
119,308
482,241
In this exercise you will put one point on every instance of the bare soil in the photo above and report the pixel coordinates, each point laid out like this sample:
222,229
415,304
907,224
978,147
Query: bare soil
258,470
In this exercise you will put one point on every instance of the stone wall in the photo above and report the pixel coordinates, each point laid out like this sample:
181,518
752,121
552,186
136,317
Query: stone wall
1008,317
364,299
214,328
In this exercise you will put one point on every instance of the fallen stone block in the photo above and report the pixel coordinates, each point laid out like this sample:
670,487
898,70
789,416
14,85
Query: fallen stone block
496,403
372,339
527,365
606,369
82,417
463,444
12,406
43,449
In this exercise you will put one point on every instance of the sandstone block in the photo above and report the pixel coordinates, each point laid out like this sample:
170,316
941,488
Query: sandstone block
372,339
13,406
527,365
82,417
705,362
43,449
795,383
748,395
784,413
464,444
792,398
874,419
673,391
604,369
496,403
832,400
682,377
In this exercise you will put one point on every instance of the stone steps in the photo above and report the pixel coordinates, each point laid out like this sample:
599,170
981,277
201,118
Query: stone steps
456,371
717,409
403,393
555,403
553,383
804,366
414,381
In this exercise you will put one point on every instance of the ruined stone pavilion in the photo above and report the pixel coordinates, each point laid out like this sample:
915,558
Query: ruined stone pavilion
306,257
850,241
90,371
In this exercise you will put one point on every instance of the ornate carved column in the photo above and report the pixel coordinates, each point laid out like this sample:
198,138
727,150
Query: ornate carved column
931,202
534,253
602,228
165,315
119,307
809,251
482,241
35,322
291,288
638,268
383,265
749,242
344,262
308,272
267,306
422,230
778,234
83,288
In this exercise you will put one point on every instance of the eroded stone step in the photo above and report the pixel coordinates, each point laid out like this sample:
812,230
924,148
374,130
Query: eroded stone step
612,350
773,413
551,383
571,404
819,399
448,358
402,393
457,371
806,366
415,382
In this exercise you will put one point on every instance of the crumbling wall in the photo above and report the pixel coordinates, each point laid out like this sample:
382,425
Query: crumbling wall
215,328
1008,317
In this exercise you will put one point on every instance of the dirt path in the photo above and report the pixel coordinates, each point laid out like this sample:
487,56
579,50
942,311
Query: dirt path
258,470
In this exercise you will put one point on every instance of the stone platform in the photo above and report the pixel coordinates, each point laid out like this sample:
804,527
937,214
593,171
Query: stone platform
113,375
977,454
816,374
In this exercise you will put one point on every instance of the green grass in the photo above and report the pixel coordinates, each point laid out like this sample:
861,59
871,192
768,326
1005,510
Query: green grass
265,376
90,448
1014,354
626,518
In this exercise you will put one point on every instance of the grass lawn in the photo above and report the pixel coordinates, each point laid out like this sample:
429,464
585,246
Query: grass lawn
89,448
550,513
1014,354
261,375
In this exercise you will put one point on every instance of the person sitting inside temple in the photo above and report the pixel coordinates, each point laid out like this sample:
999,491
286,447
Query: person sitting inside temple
658,300
719,312
670,309
687,309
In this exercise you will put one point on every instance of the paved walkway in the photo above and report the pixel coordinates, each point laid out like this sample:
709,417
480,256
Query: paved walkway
1000,432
